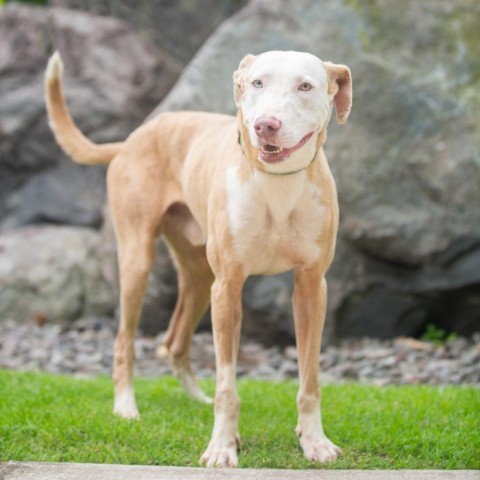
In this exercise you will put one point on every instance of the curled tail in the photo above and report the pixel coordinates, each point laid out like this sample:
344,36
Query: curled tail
67,134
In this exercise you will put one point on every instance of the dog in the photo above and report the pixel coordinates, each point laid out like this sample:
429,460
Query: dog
232,197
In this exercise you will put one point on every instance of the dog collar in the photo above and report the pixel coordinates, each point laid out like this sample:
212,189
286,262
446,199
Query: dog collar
292,172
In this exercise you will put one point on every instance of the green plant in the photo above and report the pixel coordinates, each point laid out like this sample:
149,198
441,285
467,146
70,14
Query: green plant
437,335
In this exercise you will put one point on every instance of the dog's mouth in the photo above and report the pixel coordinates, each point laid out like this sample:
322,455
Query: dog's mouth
270,153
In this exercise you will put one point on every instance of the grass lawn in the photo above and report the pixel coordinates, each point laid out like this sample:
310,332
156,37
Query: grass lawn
60,419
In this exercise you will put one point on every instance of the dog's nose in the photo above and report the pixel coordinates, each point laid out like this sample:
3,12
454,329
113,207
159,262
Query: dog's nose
266,126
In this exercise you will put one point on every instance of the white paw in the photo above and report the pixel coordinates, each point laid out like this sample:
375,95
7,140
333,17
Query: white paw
191,387
125,406
319,449
221,453
201,396
127,413
224,456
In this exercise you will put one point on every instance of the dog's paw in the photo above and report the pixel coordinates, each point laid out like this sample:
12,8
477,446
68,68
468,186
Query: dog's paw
125,406
200,396
220,454
127,413
192,388
319,449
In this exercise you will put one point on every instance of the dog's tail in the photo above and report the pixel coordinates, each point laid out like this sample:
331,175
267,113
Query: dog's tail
67,134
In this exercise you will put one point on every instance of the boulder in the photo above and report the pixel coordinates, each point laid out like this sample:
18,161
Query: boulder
163,22
67,194
112,80
51,273
406,164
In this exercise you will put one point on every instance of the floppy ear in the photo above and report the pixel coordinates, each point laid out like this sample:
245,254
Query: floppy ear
340,86
239,77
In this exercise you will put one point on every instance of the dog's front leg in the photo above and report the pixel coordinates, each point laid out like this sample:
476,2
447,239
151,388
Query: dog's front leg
226,322
309,307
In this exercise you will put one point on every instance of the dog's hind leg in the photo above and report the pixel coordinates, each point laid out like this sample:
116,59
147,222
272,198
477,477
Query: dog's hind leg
194,281
135,262
137,206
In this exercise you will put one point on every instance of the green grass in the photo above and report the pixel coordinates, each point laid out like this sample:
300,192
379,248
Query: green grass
61,419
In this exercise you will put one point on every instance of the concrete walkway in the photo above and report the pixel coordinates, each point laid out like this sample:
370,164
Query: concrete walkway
76,471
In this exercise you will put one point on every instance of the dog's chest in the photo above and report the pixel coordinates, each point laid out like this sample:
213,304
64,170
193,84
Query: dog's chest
276,221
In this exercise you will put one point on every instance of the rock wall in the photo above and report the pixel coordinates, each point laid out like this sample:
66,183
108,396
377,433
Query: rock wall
177,27
407,163
112,81
52,272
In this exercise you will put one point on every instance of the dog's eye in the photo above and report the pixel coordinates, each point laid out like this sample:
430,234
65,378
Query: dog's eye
305,87
257,84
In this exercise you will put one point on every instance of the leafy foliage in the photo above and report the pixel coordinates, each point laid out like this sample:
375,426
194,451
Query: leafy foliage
437,335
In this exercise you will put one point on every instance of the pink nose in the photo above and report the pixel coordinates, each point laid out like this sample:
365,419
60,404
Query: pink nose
266,126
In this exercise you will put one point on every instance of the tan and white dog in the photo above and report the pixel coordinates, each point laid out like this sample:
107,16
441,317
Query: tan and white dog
232,197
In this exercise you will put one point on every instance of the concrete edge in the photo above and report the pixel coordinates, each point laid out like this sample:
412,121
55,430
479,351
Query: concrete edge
86,471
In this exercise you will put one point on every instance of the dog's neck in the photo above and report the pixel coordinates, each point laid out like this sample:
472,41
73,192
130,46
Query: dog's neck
251,153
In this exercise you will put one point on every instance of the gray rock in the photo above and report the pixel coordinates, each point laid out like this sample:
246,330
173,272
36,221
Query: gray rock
51,273
44,198
84,348
112,80
164,22
268,301
406,164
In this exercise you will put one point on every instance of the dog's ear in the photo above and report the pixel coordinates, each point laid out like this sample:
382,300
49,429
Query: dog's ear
239,77
340,86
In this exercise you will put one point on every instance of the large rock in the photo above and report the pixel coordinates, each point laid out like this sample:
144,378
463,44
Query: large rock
164,22
52,273
407,164
112,80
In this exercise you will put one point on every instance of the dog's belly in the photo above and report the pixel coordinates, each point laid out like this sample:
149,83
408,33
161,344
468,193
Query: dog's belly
277,224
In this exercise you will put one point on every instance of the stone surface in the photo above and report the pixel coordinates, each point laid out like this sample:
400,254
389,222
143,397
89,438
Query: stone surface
163,22
268,309
51,273
45,197
72,471
85,348
112,80
406,164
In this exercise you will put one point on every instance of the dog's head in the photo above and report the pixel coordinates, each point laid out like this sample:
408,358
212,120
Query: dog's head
285,100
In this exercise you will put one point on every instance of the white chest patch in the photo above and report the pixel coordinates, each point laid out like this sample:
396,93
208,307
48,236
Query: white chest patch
276,221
